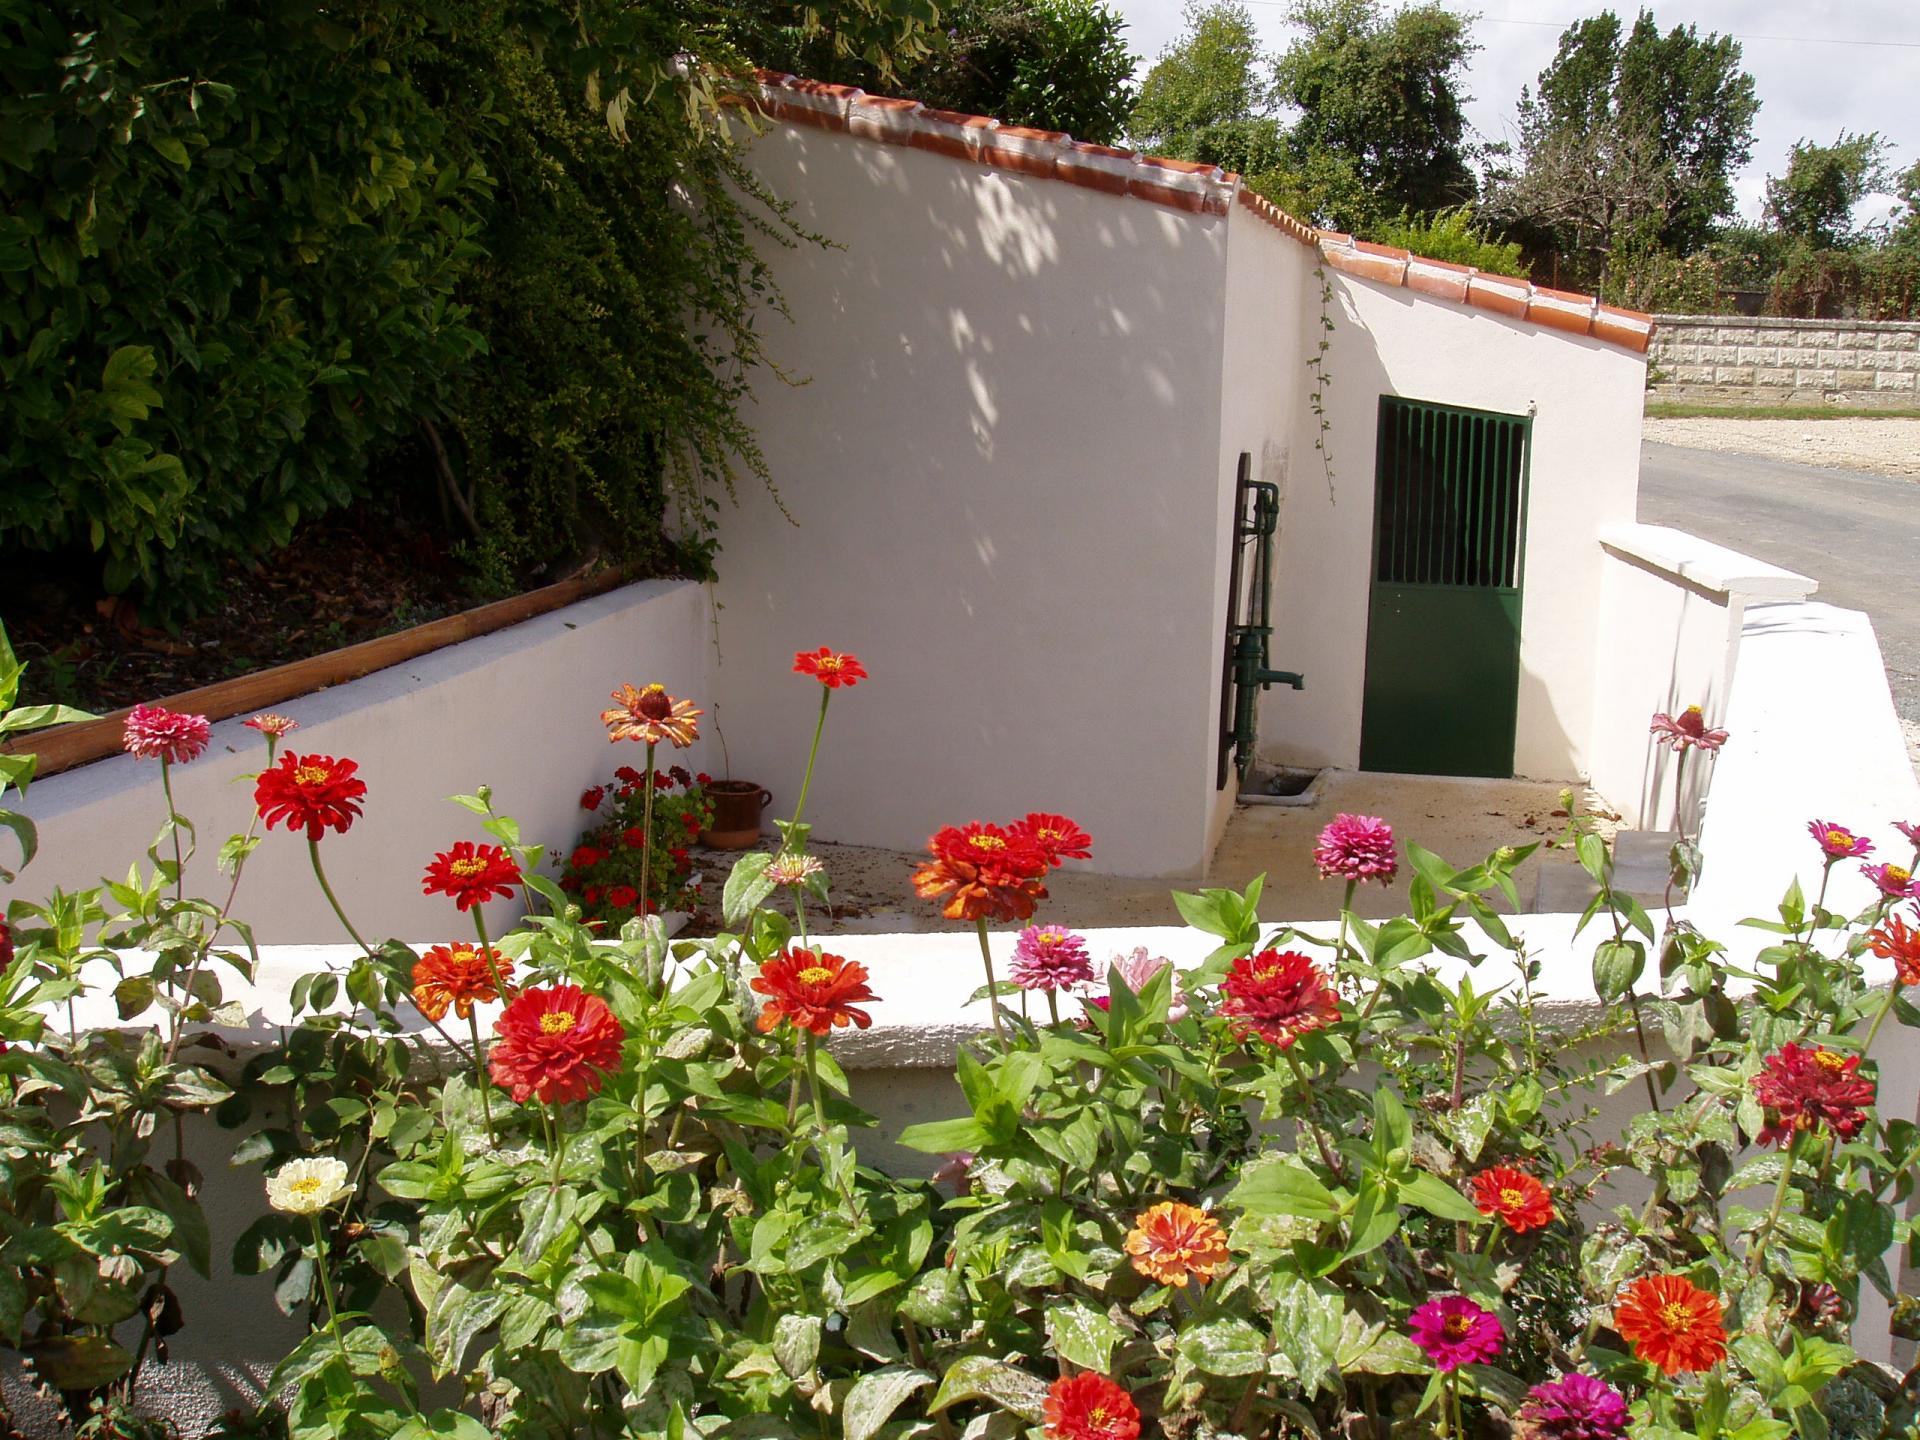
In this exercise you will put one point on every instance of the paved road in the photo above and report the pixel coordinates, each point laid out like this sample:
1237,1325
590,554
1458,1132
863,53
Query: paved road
1857,534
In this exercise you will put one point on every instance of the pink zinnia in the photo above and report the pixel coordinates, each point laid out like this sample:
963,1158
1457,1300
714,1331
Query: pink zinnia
1453,1331
1140,967
1838,842
1046,957
1574,1407
1896,882
276,726
1686,732
155,733
1910,829
1356,847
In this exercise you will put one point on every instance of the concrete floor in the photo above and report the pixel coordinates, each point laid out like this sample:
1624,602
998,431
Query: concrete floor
1461,820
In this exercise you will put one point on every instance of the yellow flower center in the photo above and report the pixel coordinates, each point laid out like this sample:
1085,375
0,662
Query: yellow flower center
1049,937
988,842
1098,1415
467,869
1050,834
556,1022
829,664
1677,1317
312,775
1512,1199
1694,710
1897,874
1839,839
1457,1326
814,975
1829,1061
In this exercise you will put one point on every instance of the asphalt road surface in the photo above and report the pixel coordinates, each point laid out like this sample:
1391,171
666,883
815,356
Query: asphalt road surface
1857,534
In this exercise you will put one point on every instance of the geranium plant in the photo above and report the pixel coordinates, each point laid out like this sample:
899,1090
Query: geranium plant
628,849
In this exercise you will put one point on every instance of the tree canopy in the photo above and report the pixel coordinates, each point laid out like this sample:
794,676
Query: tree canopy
1815,199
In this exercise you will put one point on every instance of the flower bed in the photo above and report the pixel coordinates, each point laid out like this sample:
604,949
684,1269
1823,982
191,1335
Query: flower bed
1323,1182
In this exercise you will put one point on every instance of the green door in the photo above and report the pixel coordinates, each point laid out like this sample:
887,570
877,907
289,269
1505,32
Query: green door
1443,627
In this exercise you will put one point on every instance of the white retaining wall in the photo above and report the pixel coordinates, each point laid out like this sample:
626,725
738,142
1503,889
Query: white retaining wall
517,710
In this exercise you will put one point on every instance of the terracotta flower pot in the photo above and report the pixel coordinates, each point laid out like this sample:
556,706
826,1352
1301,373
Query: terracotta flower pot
736,813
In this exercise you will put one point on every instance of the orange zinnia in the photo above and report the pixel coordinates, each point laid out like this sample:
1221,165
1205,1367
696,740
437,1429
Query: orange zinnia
454,977
983,872
650,715
1171,1242
1521,1201
814,992
1896,942
1671,1323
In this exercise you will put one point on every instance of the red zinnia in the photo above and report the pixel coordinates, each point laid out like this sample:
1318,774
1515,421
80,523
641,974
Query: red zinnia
1671,1323
1090,1407
309,792
1278,995
471,874
984,872
1804,1088
1894,941
555,1045
455,977
830,669
153,732
814,992
1057,837
1520,1201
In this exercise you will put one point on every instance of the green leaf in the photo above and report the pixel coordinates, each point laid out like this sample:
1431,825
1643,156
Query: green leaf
747,886
1436,1197
796,1344
937,1137
875,1396
979,1377
1284,1187
1082,1335
78,1362
443,1425
1227,1346
1617,965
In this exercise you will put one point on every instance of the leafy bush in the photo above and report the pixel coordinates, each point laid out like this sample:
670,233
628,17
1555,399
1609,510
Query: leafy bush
602,873
1451,235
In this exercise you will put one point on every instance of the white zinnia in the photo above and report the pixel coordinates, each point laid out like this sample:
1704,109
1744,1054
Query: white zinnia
306,1187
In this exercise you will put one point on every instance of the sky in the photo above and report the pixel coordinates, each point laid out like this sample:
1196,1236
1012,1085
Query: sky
1819,66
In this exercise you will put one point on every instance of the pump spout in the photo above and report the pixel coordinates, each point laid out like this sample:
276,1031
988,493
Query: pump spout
1283,677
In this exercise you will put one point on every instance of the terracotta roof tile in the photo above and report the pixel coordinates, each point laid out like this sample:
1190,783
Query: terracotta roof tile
1184,185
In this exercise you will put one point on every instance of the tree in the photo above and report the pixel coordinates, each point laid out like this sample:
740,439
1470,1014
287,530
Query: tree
1208,99
1815,199
1380,119
1633,139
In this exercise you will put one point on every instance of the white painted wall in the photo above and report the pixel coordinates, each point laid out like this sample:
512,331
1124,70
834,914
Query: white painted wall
1585,469
518,710
1004,480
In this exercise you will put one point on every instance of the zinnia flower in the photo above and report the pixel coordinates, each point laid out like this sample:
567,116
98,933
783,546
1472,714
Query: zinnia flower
1356,847
1453,1331
650,715
1689,732
1046,957
1671,1323
982,872
1521,1202
1574,1407
1838,842
793,869
1090,1407
1896,882
1278,995
1894,941
814,992
277,726
1171,1242
1910,829
1804,1088
555,1045
455,977
153,732
830,669
471,874
306,1187
1138,968
309,792
1057,837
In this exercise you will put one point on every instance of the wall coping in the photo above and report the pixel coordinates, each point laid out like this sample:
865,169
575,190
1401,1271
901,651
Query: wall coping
1702,563
1782,322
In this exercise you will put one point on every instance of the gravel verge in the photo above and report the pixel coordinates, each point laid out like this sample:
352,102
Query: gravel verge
1880,447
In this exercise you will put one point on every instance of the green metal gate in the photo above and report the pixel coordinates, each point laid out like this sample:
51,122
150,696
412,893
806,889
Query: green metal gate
1443,629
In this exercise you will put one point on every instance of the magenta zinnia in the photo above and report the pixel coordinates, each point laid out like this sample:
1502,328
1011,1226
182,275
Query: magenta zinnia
1046,957
1574,1407
1453,1331
1356,847
1837,842
153,732
1896,882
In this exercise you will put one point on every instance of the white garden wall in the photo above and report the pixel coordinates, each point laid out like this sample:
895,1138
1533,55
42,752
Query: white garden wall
1585,395
517,710
1003,475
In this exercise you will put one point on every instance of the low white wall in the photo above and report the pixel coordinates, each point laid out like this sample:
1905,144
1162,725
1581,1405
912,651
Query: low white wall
518,710
1002,471
1586,398
1672,607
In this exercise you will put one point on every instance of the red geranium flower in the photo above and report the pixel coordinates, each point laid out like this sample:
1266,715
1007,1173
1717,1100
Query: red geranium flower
455,977
627,773
1520,1201
590,799
633,837
1056,837
1894,941
830,669
555,1045
585,857
1671,1323
153,732
1278,995
1804,1088
1090,1407
309,792
814,992
471,874
622,897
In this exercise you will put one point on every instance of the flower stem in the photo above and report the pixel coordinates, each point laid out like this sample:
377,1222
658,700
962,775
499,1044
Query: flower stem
646,835
173,828
813,753
480,1077
1880,1015
993,989
1757,1251
326,1283
320,874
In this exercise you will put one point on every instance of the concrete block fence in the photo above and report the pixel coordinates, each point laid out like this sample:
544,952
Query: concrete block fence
1755,360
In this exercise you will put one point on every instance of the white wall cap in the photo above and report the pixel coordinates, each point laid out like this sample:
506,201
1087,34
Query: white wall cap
1703,563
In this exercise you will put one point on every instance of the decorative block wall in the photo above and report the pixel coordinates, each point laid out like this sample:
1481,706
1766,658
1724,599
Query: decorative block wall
1743,360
